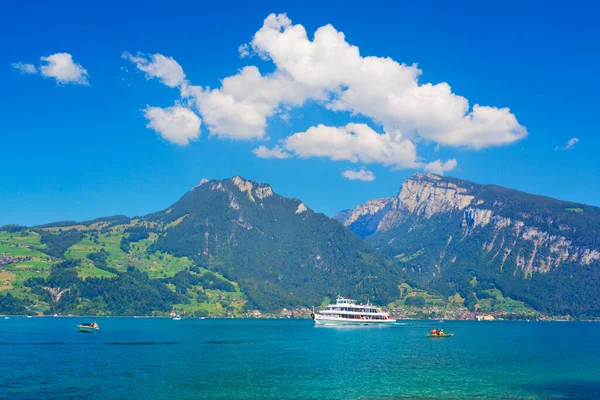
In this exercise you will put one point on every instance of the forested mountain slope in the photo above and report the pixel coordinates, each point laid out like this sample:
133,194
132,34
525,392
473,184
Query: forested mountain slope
226,247
444,232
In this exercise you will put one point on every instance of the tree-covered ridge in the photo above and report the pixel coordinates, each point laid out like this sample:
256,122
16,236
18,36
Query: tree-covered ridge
281,253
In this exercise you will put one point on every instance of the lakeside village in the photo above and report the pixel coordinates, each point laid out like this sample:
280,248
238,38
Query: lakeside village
413,313
449,313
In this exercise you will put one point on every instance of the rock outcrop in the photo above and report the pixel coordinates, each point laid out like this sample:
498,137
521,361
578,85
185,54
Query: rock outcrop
423,197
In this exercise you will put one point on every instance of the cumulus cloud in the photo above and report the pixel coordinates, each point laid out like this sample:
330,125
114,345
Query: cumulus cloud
359,143
332,72
362,175
166,69
439,166
176,124
381,88
59,66
354,143
275,152
63,69
240,107
24,68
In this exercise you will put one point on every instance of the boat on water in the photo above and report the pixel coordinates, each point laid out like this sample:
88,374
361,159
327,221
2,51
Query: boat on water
350,312
177,317
440,335
86,327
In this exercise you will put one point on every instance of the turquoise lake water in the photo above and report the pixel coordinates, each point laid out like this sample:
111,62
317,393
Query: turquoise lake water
129,358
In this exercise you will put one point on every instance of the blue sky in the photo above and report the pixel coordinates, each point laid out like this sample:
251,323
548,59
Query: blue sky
75,143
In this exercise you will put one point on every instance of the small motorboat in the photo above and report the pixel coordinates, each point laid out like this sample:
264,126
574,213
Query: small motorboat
440,335
85,328
177,318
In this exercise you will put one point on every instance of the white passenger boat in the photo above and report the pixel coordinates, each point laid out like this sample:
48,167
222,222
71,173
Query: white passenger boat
349,312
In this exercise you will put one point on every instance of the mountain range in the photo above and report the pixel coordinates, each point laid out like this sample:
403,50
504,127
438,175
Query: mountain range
231,246
453,235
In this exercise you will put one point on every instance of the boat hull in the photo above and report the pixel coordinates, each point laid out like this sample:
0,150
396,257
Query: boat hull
86,329
440,336
321,320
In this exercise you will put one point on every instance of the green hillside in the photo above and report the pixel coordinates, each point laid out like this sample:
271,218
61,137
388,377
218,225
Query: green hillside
225,248
97,267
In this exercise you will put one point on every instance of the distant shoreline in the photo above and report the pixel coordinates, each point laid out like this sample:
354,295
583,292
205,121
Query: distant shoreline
4,316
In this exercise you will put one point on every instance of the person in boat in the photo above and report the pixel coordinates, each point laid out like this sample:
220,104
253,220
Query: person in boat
434,331
441,332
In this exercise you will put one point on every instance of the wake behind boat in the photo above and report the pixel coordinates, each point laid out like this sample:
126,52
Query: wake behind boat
85,328
349,312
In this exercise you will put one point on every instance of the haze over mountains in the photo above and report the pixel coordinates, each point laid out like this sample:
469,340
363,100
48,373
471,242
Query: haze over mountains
234,245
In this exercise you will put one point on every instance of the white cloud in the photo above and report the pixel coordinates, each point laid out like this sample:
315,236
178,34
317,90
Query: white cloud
240,108
166,69
63,69
355,143
176,124
360,143
362,175
439,166
571,143
381,88
244,50
24,68
332,72
275,152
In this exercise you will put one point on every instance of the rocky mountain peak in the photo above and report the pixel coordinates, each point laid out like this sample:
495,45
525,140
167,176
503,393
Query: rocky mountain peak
254,190
202,182
431,194
426,176
301,208
371,207
244,185
422,194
